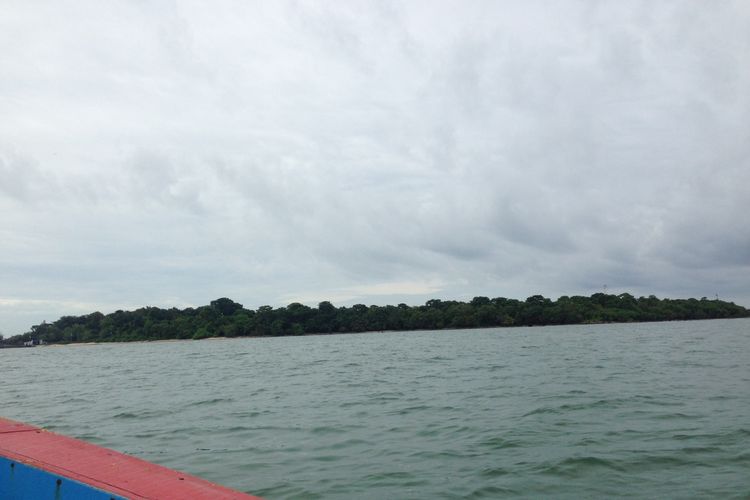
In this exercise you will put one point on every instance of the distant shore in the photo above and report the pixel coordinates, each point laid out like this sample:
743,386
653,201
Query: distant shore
224,318
169,341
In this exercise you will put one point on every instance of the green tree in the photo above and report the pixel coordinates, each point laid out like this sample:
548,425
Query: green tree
225,306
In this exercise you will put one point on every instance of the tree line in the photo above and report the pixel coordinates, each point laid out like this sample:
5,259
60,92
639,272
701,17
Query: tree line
225,318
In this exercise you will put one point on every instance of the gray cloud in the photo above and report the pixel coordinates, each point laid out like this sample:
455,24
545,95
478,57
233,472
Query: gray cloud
370,152
20,177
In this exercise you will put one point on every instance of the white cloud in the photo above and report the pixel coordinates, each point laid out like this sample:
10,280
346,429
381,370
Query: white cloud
174,153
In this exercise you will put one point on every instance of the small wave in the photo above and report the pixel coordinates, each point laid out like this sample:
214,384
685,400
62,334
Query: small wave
499,443
350,404
316,362
347,443
410,409
439,358
327,429
211,401
388,477
127,415
574,407
647,460
540,411
274,428
386,396
76,400
441,455
587,442
676,415
249,414
693,450
722,397
238,428
574,466
494,472
684,437
491,492
445,430
432,431
285,490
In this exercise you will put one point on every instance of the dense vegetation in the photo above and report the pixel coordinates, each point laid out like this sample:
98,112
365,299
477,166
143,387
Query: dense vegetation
226,318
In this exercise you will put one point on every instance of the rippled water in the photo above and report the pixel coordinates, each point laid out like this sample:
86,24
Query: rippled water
650,410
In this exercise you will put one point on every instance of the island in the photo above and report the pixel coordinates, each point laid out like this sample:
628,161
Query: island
226,318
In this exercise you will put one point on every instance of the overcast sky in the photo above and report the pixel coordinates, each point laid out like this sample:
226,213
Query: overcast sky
170,153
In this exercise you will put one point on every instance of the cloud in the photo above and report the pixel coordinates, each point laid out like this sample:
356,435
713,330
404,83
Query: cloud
373,292
175,153
23,181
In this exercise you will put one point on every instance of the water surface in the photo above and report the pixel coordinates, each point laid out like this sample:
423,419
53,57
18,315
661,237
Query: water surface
638,410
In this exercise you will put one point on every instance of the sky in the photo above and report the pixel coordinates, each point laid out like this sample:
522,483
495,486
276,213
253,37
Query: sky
170,153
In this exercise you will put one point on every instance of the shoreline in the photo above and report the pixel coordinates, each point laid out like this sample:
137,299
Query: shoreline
219,338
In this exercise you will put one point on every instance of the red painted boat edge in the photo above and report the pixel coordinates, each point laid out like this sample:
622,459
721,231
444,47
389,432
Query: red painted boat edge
103,468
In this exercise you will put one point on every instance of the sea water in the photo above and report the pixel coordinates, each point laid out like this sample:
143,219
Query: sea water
659,410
